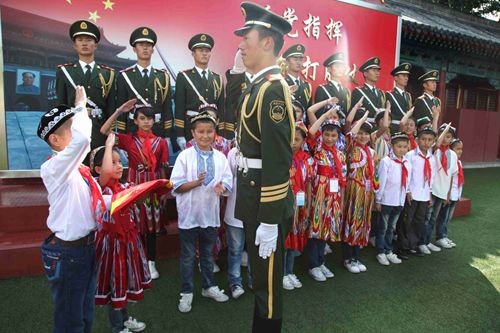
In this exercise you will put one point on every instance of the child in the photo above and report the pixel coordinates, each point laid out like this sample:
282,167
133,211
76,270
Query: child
359,194
200,176
122,266
300,182
327,104
148,158
298,108
390,197
328,187
382,137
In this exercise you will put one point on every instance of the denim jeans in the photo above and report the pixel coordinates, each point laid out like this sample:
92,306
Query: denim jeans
117,318
235,244
316,252
72,276
386,226
206,239
350,252
443,219
289,261
431,218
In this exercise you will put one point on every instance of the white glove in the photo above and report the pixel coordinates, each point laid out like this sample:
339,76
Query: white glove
266,238
239,66
181,141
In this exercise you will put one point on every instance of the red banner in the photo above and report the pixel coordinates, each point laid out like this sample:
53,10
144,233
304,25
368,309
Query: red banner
122,200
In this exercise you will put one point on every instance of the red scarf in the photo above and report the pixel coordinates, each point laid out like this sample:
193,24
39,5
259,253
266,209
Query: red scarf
404,172
444,159
147,149
427,169
298,160
460,174
413,144
371,173
336,161
115,186
95,193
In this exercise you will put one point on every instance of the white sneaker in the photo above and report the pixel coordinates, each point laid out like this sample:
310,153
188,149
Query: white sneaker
326,272
244,259
443,243
451,242
152,270
185,302
237,291
362,268
133,325
215,293
393,259
295,281
433,247
351,266
216,268
424,249
382,259
317,274
287,283
125,330
328,249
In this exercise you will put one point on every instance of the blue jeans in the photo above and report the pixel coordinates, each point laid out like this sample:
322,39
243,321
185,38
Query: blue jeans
235,244
386,226
206,239
316,252
117,318
443,219
431,218
71,272
289,261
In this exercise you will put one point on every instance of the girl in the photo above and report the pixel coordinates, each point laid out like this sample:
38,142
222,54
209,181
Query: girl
327,104
300,182
382,137
148,158
408,125
328,185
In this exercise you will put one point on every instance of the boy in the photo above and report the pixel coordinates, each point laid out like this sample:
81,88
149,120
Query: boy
200,176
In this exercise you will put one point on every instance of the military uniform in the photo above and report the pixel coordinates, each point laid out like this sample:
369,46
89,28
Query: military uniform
424,103
236,84
304,91
400,99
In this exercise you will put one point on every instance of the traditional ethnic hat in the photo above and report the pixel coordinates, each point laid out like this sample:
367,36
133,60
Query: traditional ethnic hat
203,115
299,105
454,142
53,119
404,68
424,120
257,16
201,40
367,127
380,115
429,76
143,34
83,27
452,129
332,123
373,62
301,126
426,130
93,154
334,58
294,50
399,136
147,110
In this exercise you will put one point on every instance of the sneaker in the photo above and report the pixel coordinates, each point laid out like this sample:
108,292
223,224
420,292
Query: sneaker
382,259
133,325
328,249
295,281
216,268
433,247
443,243
237,291
152,269
215,293
185,302
287,283
351,266
424,249
393,259
326,272
362,268
244,259
317,274
451,242
125,330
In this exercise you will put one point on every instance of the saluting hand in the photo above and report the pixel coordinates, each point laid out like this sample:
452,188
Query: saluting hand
127,106
110,140
80,96
359,103
333,101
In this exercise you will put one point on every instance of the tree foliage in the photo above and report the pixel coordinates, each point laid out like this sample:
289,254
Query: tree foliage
474,7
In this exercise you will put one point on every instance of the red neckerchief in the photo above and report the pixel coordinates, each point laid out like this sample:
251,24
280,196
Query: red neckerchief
298,160
147,149
114,185
413,144
95,193
444,159
336,161
460,173
371,173
404,171
427,169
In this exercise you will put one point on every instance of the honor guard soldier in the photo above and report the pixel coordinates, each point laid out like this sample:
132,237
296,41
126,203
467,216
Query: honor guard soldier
197,86
97,79
424,104
336,67
265,133
399,98
150,86
294,57
374,98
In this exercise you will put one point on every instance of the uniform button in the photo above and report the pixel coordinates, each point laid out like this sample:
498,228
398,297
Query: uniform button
88,87
252,183
146,89
147,99
206,89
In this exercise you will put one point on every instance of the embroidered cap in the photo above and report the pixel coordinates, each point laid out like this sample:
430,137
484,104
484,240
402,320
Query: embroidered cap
53,119
332,123
93,154
455,142
398,136
426,130
423,121
203,115
452,129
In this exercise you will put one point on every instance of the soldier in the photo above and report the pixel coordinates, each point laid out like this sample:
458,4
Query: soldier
336,67
399,98
96,79
197,86
264,201
294,57
374,98
426,105
150,86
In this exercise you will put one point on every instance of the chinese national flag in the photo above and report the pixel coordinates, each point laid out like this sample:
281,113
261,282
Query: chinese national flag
125,198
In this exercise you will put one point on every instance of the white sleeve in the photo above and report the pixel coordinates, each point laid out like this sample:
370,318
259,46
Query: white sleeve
231,158
383,170
179,172
227,177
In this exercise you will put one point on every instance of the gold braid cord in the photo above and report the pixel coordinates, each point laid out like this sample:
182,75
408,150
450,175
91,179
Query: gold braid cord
163,88
106,86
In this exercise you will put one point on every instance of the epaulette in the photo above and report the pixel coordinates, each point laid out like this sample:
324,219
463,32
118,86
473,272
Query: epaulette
127,69
159,69
186,70
64,65
106,67
274,77
421,97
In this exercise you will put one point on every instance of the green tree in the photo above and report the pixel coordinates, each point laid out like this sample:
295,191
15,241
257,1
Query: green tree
474,7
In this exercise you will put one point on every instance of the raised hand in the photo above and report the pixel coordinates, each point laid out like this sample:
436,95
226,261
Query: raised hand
80,96
127,106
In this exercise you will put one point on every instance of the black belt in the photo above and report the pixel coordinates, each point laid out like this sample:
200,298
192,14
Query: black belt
84,241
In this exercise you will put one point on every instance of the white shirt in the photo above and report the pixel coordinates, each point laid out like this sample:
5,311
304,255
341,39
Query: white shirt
372,87
231,200
390,191
419,187
401,91
256,75
456,191
337,85
83,64
140,68
294,79
200,206
442,181
200,70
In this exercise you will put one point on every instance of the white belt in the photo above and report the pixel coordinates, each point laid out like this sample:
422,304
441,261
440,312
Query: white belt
244,163
192,113
396,122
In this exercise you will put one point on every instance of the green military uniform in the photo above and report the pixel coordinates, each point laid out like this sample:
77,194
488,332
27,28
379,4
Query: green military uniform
304,91
400,100
424,104
374,98
98,84
208,90
150,86
236,84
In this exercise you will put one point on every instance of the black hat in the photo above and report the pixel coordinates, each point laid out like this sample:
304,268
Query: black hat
336,57
429,76
53,119
143,34
203,115
454,142
404,68
201,40
423,121
257,16
380,115
367,127
452,129
86,28
294,50
426,130
373,62
399,136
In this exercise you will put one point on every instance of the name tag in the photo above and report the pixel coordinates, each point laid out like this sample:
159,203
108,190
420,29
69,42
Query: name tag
300,199
157,117
334,185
